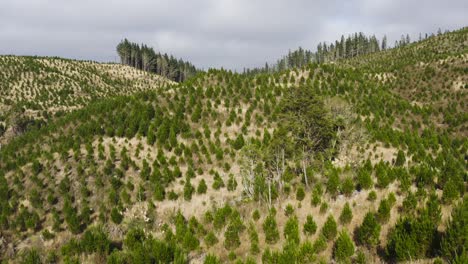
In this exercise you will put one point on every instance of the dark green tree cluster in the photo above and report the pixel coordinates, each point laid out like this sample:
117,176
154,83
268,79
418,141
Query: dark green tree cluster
454,242
368,233
354,45
145,58
415,237
290,253
138,247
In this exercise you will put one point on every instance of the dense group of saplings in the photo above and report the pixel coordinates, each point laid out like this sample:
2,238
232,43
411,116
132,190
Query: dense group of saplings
37,88
428,74
267,144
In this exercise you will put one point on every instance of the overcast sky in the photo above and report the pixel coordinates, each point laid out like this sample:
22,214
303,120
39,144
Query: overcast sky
211,33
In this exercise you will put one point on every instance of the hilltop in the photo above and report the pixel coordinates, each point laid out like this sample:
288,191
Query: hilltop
361,159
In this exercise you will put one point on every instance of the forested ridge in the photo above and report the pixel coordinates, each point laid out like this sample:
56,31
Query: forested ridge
145,58
360,159
354,45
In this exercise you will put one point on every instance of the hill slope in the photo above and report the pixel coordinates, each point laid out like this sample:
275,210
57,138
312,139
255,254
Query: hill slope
39,87
331,161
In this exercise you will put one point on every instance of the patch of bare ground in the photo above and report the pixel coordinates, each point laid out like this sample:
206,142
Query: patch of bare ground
385,76
458,85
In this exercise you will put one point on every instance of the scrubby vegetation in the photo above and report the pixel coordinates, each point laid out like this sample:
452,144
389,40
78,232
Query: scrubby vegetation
359,160
34,90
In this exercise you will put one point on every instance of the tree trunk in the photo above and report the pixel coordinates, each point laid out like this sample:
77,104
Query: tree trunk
282,168
251,179
269,193
304,169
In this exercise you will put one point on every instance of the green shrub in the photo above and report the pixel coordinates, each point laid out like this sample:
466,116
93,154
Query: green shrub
391,199
47,235
221,215
316,198
323,207
300,193
450,191
232,183
310,227
231,237
344,247
238,142
411,238
333,183
211,239
134,238
190,242
218,182
361,257
96,240
368,233
116,216
329,229
202,188
256,215
346,214
383,213
400,160
454,242
211,259
232,256
36,167
253,235
320,244
270,229
289,210
173,195
291,230
382,174
410,203
159,192
30,256
188,190
364,180
347,186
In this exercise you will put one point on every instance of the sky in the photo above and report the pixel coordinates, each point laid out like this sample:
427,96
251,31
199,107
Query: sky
233,34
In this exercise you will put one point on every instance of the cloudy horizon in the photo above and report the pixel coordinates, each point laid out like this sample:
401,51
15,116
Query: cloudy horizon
211,33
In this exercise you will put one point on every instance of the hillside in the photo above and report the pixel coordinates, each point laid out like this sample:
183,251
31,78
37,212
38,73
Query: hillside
360,160
38,88
431,75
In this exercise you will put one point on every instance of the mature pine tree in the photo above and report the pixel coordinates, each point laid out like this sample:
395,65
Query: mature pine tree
144,58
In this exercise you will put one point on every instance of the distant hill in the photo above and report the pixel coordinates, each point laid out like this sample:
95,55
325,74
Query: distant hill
38,87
